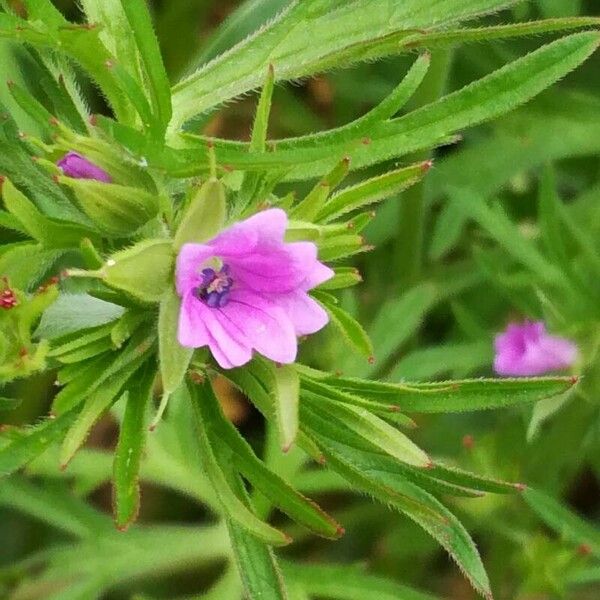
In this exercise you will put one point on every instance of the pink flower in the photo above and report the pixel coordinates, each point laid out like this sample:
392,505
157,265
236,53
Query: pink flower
527,349
76,166
246,290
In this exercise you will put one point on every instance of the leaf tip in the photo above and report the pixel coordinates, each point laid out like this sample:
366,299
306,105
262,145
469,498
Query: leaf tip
426,165
468,442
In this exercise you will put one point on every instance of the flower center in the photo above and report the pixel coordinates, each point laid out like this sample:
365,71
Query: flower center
215,287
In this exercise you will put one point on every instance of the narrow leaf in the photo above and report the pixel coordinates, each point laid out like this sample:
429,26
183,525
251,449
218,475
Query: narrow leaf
33,442
128,454
235,509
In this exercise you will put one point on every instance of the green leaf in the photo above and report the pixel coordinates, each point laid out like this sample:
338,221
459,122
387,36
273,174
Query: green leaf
249,381
234,508
286,394
385,485
341,34
371,191
173,357
33,108
344,277
416,503
35,440
504,232
347,582
397,321
82,44
370,428
70,343
149,51
55,506
87,377
495,32
314,203
351,330
458,396
73,312
9,403
260,126
87,351
27,264
483,100
128,454
296,506
257,565
566,523
95,405
115,33
250,188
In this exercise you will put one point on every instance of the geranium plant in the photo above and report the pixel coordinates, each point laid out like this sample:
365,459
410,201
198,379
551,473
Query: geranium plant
151,268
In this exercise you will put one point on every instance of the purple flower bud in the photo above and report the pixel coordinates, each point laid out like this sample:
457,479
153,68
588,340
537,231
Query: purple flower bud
76,166
526,349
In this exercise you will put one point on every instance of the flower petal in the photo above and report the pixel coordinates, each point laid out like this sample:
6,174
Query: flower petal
189,262
526,349
307,315
229,348
265,228
263,324
191,331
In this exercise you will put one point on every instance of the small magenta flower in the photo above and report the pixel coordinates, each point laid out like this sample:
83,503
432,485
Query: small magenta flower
526,349
76,166
246,289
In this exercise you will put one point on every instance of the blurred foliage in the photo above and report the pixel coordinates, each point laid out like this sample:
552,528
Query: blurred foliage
505,225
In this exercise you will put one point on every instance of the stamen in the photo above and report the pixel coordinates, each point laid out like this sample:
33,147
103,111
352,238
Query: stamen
215,287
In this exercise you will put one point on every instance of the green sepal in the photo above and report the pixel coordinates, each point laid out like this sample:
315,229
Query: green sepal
205,215
143,271
117,210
